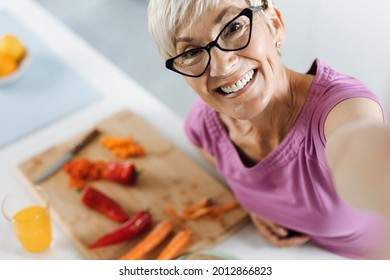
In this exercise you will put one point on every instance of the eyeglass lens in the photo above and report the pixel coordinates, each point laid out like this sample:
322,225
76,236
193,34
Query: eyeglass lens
234,36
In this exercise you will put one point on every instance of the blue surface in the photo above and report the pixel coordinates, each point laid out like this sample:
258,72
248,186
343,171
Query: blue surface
47,91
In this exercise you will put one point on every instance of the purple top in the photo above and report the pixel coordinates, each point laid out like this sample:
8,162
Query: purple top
292,186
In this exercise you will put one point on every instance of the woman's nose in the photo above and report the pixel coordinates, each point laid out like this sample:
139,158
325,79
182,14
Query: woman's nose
222,63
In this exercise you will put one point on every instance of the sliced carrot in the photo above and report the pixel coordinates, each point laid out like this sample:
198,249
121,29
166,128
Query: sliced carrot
158,234
176,246
230,205
189,209
122,147
115,141
204,201
225,207
198,213
174,215
205,209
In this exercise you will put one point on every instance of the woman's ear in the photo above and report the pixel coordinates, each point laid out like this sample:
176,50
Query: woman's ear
277,22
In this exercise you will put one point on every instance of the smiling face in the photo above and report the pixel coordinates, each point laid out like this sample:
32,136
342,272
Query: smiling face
239,83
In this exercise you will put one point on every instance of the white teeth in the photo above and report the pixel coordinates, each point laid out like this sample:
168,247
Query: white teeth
247,78
240,84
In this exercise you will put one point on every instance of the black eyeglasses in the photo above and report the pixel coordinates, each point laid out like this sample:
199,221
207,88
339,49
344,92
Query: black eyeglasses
235,36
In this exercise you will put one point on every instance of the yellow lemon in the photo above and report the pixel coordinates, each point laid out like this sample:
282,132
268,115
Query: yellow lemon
7,65
12,47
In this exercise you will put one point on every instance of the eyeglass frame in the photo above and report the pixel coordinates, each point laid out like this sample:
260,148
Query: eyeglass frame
245,12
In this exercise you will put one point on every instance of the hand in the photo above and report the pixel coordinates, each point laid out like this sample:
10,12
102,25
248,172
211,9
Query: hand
277,235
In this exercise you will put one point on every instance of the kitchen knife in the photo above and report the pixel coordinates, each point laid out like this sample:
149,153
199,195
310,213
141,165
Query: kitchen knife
66,157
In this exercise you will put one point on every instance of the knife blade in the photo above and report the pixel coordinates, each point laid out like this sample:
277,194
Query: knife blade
67,156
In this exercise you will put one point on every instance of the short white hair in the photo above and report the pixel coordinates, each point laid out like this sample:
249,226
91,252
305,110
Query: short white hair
164,17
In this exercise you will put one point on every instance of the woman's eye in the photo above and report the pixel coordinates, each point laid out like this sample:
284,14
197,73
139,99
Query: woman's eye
191,53
233,31
233,27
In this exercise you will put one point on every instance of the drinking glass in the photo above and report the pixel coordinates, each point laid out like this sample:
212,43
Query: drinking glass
29,218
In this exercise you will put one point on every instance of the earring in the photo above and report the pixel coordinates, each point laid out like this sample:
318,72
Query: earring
278,45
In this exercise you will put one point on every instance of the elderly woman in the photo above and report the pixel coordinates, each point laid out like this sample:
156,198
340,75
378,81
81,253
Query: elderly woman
297,150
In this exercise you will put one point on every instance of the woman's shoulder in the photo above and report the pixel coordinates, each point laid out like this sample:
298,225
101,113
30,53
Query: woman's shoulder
198,113
328,81
201,124
331,88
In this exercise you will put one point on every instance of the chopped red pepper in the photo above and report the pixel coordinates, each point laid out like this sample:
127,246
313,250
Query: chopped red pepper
82,170
136,225
120,172
104,204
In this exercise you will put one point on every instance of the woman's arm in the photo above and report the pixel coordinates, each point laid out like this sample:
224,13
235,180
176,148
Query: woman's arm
358,154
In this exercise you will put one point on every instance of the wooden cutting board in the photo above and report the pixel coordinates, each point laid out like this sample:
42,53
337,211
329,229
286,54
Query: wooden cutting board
167,176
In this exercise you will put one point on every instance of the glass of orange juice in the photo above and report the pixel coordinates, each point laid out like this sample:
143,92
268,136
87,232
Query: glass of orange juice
29,217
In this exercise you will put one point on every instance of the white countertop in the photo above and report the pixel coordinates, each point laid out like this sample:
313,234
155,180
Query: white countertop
120,92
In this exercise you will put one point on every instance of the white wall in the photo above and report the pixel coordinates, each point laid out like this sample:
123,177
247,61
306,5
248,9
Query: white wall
353,36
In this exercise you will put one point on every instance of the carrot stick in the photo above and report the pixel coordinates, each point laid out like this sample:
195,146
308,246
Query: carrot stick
176,217
176,246
151,241
204,202
230,205
225,207
189,209
198,213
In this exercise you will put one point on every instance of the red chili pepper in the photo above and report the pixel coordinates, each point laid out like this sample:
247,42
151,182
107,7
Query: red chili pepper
120,172
104,204
136,225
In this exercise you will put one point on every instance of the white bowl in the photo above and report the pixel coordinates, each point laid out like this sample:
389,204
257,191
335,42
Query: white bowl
23,65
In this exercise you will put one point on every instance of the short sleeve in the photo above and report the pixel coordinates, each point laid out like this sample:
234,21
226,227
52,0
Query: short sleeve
328,90
199,127
342,88
193,123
